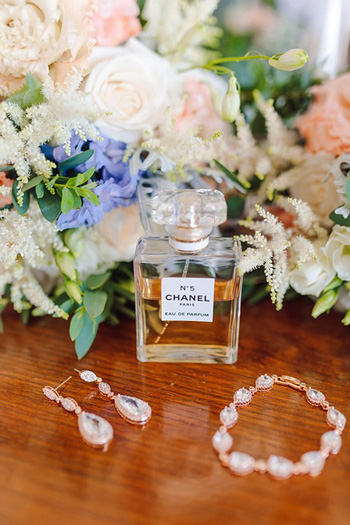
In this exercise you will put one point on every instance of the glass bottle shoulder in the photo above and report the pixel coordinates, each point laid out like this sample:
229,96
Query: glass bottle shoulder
156,249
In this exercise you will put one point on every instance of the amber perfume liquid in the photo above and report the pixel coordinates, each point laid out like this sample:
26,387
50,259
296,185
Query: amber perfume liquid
188,305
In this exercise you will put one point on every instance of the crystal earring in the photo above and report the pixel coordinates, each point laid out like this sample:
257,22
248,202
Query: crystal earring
95,430
132,409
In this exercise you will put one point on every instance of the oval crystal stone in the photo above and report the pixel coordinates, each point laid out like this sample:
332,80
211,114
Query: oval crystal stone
331,442
133,409
95,430
50,393
336,419
228,416
242,396
104,388
69,404
264,382
88,376
241,463
279,467
314,462
314,397
222,441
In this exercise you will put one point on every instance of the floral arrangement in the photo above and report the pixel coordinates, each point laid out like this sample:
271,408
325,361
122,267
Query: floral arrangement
96,98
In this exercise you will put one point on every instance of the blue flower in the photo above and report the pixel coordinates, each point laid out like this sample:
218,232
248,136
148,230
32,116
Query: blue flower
116,186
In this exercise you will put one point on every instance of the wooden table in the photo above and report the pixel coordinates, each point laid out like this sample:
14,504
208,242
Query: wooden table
167,473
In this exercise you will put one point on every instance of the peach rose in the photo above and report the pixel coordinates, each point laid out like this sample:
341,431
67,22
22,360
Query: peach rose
42,37
4,181
326,125
116,21
198,110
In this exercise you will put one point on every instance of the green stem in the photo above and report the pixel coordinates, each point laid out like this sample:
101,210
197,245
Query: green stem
236,59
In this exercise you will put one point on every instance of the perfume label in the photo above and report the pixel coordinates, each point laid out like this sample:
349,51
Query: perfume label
187,299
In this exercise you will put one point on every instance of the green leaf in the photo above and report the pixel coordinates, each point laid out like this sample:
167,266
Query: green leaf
76,160
339,219
32,182
86,336
94,302
97,280
123,291
21,209
29,95
76,324
77,201
347,189
90,196
6,167
67,200
50,205
89,186
235,206
231,176
84,177
39,190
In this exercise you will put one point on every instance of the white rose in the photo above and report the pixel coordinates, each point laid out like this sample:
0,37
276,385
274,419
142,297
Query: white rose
315,185
134,85
312,276
39,35
338,250
113,239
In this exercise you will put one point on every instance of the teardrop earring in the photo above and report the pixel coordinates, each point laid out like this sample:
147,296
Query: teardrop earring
132,409
95,430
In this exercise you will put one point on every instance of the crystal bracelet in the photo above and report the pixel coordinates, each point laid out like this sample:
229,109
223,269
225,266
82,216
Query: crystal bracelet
278,467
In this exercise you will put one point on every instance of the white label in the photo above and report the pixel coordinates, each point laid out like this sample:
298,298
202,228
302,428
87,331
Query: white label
187,299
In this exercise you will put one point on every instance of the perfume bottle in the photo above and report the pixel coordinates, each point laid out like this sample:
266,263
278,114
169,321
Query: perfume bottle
188,291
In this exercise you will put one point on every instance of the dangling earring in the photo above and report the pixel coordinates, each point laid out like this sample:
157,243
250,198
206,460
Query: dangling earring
95,430
132,409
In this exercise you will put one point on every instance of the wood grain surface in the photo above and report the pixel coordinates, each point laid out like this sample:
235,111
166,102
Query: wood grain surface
167,473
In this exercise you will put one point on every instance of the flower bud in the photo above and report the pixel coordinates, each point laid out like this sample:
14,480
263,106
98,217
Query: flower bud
290,60
73,291
231,102
346,319
65,262
325,303
75,240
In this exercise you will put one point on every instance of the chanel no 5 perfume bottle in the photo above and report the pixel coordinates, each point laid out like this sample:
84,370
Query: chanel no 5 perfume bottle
188,291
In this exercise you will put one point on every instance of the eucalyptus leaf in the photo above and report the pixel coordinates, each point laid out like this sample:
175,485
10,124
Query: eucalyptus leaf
81,178
76,324
86,336
32,182
94,302
97,280
67,200
40,190
76,160
50,205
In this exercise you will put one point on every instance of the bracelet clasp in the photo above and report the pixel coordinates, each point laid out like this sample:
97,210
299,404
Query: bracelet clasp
291,381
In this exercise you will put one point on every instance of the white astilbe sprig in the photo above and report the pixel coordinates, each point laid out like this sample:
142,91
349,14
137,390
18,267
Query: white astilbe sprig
180,146
280,249
65,111
182,30
27,244
282,142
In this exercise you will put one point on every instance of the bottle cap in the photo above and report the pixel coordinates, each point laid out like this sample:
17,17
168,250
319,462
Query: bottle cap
189,216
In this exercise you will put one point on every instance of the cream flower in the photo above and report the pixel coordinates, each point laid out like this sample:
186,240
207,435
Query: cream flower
311,182
39,36
113,239
338,250
312,276
134,85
